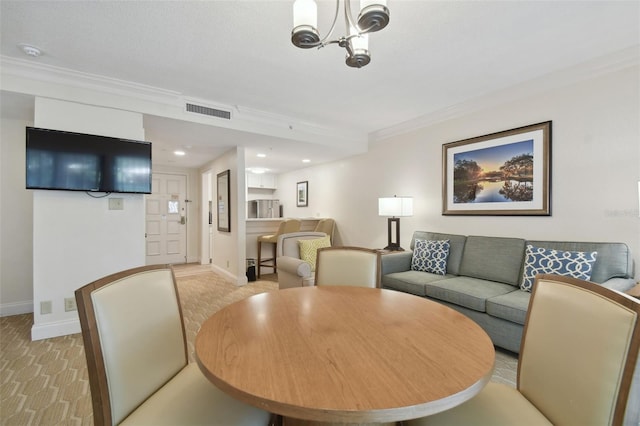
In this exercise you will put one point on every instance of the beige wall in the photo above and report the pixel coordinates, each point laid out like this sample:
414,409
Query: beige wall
228,248
595,171
596,167
16,222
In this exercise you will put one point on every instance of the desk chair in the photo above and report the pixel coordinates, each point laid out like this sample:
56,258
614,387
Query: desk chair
355,266
327,226
577,360
286,227
136,352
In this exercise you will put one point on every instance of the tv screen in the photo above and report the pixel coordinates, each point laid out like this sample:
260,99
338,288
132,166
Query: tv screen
79,162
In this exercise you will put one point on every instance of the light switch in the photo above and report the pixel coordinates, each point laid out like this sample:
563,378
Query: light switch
116,204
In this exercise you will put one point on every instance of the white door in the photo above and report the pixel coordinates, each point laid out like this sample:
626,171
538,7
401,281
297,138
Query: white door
166,219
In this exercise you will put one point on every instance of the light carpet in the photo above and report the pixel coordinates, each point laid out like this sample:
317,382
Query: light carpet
45,382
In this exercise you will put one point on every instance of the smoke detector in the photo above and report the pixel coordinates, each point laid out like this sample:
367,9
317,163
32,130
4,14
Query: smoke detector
30,50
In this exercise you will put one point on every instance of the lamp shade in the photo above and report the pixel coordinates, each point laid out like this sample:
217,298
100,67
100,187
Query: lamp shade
305,12
395,206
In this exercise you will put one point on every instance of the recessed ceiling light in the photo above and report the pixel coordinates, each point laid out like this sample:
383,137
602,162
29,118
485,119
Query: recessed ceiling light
30,50
261,155
306,160
258,170
179,153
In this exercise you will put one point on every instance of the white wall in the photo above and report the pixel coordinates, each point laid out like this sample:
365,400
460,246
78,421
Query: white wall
76,238
228,252
595,171
16,222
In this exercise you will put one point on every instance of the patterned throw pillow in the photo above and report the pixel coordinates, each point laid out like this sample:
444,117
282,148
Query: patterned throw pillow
430,256
309,249
577,264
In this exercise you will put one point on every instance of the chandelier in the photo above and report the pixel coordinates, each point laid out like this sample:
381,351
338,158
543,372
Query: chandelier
373,17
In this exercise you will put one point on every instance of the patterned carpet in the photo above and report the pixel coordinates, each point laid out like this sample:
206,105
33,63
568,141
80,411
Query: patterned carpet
45,382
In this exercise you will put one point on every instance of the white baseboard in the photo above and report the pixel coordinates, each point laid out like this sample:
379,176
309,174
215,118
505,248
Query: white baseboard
55,329
240,281
16,308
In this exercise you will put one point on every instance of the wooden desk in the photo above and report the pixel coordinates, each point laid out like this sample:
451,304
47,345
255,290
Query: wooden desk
345,354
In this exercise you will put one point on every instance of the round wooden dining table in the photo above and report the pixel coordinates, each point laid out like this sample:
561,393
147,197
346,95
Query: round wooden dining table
340,354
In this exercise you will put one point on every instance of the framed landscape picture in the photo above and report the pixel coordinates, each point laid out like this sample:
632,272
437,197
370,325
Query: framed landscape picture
302,194
504,173
223,201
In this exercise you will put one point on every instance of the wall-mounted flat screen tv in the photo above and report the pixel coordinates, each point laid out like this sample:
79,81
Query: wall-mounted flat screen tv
70,161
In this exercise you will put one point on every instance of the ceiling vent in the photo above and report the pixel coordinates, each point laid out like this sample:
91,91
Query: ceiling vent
212,112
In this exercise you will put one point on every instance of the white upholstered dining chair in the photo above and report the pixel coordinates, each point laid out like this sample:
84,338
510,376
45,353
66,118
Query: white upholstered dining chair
577,361
136,352
356,266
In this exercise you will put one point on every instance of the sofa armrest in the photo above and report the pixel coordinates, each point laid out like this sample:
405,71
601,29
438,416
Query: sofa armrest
396,262
294,266
293,272
619,284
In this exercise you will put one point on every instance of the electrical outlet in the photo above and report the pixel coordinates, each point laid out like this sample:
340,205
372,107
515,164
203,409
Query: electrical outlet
116,204
46,307
70,304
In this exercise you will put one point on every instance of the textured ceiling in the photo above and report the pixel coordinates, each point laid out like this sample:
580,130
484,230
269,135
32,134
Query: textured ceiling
433,56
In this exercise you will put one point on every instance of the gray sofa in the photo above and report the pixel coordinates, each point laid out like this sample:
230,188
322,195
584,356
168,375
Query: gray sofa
483,276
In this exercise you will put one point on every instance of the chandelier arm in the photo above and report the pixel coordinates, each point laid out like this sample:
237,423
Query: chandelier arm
324,41
368,29
349,18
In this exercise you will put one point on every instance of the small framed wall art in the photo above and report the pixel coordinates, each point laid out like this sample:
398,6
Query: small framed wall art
224,213
302,194
504,173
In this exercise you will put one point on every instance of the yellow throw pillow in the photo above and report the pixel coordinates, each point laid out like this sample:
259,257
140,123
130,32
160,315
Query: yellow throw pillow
309,249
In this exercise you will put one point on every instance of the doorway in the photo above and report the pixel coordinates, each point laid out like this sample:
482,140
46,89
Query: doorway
166,219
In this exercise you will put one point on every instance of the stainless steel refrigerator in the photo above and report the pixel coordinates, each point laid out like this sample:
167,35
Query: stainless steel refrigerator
263,209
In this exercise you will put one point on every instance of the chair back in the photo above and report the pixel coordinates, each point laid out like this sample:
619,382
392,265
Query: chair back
288,243
134,338
287,226
356,266
326,226
578,351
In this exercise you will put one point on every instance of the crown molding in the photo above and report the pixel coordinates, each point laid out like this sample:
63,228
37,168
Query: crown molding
163,102
66,77
613,62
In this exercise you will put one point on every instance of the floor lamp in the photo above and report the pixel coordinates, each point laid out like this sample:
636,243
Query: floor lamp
394,208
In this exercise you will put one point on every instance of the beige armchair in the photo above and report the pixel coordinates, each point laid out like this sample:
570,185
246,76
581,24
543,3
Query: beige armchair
134,341
577,361
356,266
293,271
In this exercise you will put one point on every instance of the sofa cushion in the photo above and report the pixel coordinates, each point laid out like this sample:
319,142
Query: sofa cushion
456,247
430,256
511,306
614,260
309,249
413,282
539,260
469,292
493,258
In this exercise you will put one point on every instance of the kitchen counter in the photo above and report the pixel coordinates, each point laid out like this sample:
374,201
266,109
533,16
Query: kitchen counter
279,219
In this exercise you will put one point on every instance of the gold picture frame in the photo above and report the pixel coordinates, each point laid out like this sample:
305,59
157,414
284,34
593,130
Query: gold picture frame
506,173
